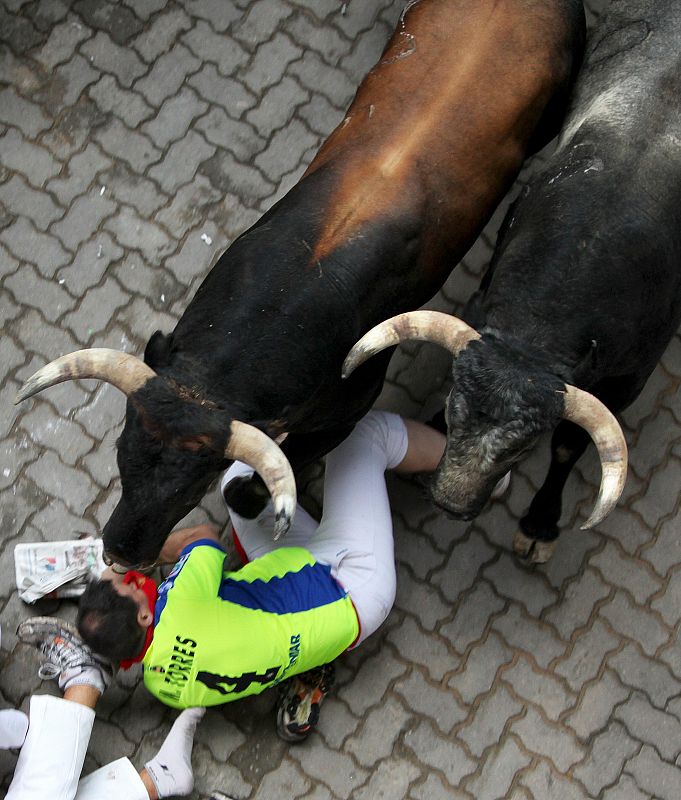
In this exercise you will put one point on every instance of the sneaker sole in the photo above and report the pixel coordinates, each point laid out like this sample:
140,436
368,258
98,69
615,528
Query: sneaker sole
31,630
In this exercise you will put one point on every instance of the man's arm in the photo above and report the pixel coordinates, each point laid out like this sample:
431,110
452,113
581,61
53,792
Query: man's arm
178,540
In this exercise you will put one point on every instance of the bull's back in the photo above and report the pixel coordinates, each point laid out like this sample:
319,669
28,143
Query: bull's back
440,127
594,248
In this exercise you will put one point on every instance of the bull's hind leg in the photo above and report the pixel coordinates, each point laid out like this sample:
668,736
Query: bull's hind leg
538,535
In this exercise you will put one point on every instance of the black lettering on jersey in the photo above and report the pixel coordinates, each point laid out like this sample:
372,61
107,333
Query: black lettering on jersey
240,682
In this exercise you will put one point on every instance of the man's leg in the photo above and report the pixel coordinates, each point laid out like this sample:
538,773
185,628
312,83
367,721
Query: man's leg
255,535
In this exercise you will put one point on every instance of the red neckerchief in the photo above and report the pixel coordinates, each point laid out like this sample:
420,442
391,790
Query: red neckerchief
148,586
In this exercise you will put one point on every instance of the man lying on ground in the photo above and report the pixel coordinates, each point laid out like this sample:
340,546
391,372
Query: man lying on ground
210,636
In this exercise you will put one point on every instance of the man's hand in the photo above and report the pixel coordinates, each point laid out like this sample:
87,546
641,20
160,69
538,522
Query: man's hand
178,540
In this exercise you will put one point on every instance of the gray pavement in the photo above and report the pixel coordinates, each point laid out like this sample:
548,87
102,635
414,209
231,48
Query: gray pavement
137,139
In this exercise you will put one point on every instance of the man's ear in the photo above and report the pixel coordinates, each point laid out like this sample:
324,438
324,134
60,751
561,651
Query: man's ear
144,617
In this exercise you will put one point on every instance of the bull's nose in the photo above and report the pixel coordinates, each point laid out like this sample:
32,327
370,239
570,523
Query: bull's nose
465,514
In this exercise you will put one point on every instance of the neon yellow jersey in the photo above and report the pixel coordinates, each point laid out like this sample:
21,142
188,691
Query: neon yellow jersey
220,636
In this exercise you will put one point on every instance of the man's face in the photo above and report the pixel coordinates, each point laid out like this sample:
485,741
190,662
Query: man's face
129,588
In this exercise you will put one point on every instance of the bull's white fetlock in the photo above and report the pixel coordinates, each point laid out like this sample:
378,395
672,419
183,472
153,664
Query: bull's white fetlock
533,551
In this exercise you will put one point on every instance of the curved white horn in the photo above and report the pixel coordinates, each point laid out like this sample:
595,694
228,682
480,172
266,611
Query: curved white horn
124,371
428,326
589,413
255,448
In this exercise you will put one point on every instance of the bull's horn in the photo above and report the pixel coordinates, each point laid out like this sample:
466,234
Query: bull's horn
124,371
255,448
429,326
589,413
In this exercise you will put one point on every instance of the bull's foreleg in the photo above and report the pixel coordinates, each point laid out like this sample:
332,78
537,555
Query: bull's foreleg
248,496
538,535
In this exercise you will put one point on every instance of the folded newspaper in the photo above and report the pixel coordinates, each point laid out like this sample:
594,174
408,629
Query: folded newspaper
57,569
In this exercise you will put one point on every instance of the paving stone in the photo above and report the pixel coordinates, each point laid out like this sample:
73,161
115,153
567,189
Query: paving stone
320,115
628,530
130,188
21,113
652,726
129,106
604,763
634,622
73,127
668,603
550,741
220,15
116,20
371,682
665,550
433,788
120,142
96,309
478,673
195,257
90,263
596,705
498,771
548,784
28,288
66,83
83,218
145,8
367,52
335,770
472,616
56,523
181,162
378,736
445,755
28,244
427,699
661,497
227,93
620,570
313,73
269,63
56,479
489,720
338,722
174,118
540,688
287,150
34,162
529,635
191,205
157,37
237,137
39,207
510,580
391,779
79,173
63,40
625,789
421,599
428,650
463,567
132,232
583,662
577,603
20,32
652,775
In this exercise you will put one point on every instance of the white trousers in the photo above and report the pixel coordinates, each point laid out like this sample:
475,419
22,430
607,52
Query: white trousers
52,757
355,534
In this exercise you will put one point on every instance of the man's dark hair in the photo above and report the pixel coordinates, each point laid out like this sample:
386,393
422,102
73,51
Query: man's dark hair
108,622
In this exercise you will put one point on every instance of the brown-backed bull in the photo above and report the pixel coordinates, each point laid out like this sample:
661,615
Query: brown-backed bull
432,141
584,289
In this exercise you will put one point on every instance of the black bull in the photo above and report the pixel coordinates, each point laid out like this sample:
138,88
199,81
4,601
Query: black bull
584,289
431,143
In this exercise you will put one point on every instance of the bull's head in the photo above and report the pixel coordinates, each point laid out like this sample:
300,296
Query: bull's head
496,411
173,445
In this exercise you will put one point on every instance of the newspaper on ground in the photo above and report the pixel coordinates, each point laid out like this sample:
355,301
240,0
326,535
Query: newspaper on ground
56,569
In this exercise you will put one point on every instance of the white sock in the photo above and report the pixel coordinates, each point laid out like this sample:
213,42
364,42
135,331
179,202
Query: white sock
171,768
13,728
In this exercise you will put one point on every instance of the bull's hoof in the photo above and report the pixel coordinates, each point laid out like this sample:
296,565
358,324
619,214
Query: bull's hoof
533,551
246,496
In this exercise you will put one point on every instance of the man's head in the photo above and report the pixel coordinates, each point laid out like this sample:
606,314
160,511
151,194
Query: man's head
113,617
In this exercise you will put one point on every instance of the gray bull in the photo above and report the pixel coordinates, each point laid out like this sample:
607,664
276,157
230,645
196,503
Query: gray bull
583,292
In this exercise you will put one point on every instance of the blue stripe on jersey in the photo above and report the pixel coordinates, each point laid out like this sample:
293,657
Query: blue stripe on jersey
311,587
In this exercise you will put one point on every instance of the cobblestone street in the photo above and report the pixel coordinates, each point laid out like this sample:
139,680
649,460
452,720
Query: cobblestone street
138,138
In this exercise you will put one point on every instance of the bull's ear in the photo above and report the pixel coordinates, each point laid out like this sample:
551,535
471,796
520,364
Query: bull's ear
159,349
